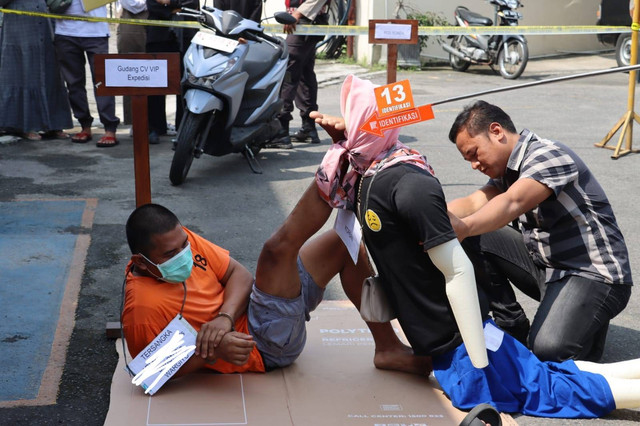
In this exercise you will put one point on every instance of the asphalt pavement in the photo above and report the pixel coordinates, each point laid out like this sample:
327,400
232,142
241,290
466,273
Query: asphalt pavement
237,209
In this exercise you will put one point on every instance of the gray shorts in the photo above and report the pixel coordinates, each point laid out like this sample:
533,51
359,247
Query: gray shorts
278,325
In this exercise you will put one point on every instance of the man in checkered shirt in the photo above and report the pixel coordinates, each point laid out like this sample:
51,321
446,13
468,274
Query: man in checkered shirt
567,252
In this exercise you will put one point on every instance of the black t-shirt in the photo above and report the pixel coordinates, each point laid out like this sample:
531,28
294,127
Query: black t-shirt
406,214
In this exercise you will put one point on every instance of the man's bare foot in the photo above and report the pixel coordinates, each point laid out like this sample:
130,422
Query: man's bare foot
403,359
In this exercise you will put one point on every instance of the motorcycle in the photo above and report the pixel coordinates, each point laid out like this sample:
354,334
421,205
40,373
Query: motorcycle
231,87
508,52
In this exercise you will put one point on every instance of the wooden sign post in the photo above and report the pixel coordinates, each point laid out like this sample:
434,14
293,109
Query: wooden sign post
393,32
138,75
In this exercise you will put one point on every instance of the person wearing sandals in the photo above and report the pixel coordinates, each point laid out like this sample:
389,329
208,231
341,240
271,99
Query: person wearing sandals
75,40
33,99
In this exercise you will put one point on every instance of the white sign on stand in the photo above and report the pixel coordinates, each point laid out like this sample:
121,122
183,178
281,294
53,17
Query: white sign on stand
393,31
135,72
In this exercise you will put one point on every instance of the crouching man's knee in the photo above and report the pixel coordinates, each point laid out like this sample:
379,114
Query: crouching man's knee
552,347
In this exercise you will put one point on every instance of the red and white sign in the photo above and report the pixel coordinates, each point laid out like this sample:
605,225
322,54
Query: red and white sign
376,125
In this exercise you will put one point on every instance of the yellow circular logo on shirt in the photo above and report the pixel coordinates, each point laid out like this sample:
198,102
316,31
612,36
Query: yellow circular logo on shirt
373,221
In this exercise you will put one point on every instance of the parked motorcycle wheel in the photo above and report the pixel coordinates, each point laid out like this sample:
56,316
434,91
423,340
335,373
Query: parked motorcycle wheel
456,62
513,59
187,141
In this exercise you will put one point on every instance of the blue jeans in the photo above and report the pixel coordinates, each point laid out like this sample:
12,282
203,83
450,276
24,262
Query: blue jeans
574,313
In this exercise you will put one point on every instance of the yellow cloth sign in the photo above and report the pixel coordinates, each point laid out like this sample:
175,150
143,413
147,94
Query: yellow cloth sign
89,5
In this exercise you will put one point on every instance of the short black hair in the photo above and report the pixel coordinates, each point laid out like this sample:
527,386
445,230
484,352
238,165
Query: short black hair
477,117
146,221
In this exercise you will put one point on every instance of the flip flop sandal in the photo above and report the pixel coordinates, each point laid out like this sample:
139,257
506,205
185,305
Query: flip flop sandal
82,137
55,134
107,141
32,136
480,413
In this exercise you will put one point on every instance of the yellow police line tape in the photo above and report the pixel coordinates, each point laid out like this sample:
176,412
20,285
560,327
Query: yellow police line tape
359,30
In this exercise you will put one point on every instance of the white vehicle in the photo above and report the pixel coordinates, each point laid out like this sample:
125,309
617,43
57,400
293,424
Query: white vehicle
231,86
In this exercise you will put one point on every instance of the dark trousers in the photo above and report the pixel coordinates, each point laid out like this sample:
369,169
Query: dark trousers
573,316
131,39
249,9
158,103
71,53
300,84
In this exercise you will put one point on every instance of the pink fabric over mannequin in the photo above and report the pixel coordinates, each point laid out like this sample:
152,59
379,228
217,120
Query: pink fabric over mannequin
360,149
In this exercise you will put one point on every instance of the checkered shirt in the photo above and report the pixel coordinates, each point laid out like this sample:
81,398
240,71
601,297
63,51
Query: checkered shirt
574,231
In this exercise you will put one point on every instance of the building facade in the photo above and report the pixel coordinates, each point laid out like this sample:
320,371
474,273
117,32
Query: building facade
535,12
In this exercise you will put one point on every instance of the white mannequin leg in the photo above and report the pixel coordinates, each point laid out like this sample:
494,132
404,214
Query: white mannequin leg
626,392
623,378
623,370
462,293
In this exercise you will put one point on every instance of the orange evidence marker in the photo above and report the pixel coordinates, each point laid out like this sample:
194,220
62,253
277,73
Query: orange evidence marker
377,125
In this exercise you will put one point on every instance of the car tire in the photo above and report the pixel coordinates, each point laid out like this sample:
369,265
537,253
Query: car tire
623,50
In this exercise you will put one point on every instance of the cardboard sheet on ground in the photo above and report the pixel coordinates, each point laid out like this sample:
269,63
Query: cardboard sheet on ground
333,382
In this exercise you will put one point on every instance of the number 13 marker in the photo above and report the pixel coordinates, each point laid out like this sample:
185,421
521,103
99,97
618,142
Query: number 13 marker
395,109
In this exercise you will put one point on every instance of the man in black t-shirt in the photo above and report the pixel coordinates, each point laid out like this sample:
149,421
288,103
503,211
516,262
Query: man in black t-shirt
410,207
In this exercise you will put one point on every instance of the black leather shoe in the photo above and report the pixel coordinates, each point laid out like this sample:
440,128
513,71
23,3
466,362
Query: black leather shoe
281,141
306,135
154,139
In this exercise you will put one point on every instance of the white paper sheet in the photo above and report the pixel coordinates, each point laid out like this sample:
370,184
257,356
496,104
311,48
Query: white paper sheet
393,31
135,72
348,228
493,337
164,356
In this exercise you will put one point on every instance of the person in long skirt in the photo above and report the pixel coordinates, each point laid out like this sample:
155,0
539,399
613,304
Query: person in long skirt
33,100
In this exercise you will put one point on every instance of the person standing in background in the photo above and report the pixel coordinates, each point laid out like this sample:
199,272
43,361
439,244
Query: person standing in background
131,39
300,83
74,40
163,40
248,9
33,97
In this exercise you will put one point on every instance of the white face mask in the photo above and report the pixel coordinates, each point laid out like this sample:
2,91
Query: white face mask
178,268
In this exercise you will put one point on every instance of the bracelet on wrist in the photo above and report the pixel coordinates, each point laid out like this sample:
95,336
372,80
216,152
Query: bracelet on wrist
229,317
